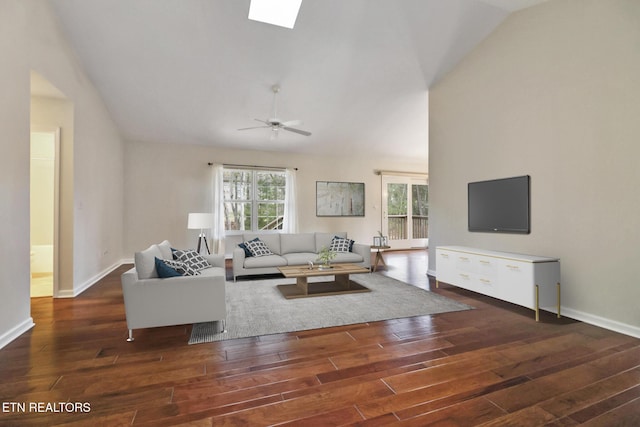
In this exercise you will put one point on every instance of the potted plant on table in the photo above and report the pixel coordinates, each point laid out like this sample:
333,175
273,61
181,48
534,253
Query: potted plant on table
325,256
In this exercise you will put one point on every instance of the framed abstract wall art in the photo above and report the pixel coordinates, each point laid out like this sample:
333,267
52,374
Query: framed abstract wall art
339,198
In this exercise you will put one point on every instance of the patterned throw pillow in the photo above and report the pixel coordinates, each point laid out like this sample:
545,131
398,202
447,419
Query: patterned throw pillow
258,248
192,258
181,267
338,244
172,268
247,252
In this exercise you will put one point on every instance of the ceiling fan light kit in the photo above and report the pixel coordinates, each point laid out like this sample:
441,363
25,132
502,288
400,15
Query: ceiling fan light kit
282,13
276,124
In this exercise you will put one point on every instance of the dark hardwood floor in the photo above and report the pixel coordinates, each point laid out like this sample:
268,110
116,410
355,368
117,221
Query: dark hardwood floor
490,366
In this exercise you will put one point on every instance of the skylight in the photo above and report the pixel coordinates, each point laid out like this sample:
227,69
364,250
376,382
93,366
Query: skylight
276,12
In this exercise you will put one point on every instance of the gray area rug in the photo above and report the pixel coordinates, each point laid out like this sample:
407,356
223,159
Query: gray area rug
256,307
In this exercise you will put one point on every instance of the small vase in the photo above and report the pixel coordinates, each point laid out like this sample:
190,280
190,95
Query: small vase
326,266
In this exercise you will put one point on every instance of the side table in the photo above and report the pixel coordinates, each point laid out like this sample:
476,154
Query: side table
379,259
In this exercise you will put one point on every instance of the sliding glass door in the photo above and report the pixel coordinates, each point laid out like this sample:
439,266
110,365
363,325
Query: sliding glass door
405,214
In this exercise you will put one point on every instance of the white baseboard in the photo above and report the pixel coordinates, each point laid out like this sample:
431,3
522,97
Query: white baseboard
16,332
67,293
602,322
591,319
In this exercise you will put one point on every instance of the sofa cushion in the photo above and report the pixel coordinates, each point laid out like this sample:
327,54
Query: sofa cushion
338,244
192,258
165,249
145,262
323,240
294,243
212,272
265,261
258,248
271,240
301,258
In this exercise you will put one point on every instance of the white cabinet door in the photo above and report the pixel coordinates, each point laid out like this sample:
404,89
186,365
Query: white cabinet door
516,282
445,266
464,262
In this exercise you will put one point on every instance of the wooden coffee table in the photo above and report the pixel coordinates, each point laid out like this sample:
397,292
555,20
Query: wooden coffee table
340,285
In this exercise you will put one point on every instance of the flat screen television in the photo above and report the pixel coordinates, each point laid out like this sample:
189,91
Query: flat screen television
500,205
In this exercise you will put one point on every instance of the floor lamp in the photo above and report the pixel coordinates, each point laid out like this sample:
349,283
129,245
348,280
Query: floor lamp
201,221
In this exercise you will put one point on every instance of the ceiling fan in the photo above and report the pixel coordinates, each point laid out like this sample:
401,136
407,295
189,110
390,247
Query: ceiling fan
276,124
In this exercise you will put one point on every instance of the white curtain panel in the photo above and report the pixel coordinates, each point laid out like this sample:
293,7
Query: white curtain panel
217,208
290,221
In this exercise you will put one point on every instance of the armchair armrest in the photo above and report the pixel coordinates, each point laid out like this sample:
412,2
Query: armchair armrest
215,260
364,251
238,261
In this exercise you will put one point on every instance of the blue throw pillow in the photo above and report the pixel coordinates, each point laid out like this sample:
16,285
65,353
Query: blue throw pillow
247,252
164,270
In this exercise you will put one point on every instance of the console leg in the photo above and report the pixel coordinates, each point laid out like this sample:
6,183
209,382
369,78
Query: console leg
537,303
130,335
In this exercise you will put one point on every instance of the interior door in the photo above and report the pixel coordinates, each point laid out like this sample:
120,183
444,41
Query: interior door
44,196
405,213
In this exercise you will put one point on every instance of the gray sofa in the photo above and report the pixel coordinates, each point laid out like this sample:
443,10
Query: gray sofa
150,301
294,249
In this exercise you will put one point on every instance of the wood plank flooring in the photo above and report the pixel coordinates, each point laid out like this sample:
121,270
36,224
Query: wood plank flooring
492,366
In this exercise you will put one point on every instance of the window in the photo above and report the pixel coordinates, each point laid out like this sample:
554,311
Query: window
253,199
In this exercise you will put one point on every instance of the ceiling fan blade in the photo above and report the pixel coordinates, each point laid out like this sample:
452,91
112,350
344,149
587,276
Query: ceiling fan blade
255,127
263,121
291,123
301,132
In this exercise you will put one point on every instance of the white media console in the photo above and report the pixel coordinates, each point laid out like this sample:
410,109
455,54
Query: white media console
526,280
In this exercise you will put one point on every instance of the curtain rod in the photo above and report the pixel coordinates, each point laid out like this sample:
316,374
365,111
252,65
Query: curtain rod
252,166
400,173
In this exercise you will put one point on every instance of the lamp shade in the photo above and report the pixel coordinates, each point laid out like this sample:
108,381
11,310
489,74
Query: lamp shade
199,221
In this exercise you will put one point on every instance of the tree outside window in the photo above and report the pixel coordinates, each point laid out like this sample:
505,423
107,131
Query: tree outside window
254,199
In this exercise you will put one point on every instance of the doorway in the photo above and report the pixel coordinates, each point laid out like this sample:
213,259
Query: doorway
405,214
44,218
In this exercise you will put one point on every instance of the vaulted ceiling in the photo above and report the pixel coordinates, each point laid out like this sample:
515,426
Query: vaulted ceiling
357,72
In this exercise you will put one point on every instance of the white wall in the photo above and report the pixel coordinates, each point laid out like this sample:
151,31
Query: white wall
167,181
554,93
14,172
31,40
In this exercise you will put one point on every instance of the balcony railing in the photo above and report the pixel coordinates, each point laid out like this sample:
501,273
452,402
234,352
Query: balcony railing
398,227
420,227
275,224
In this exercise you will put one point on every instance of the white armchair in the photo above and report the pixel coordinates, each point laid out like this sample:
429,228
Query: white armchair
151,301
